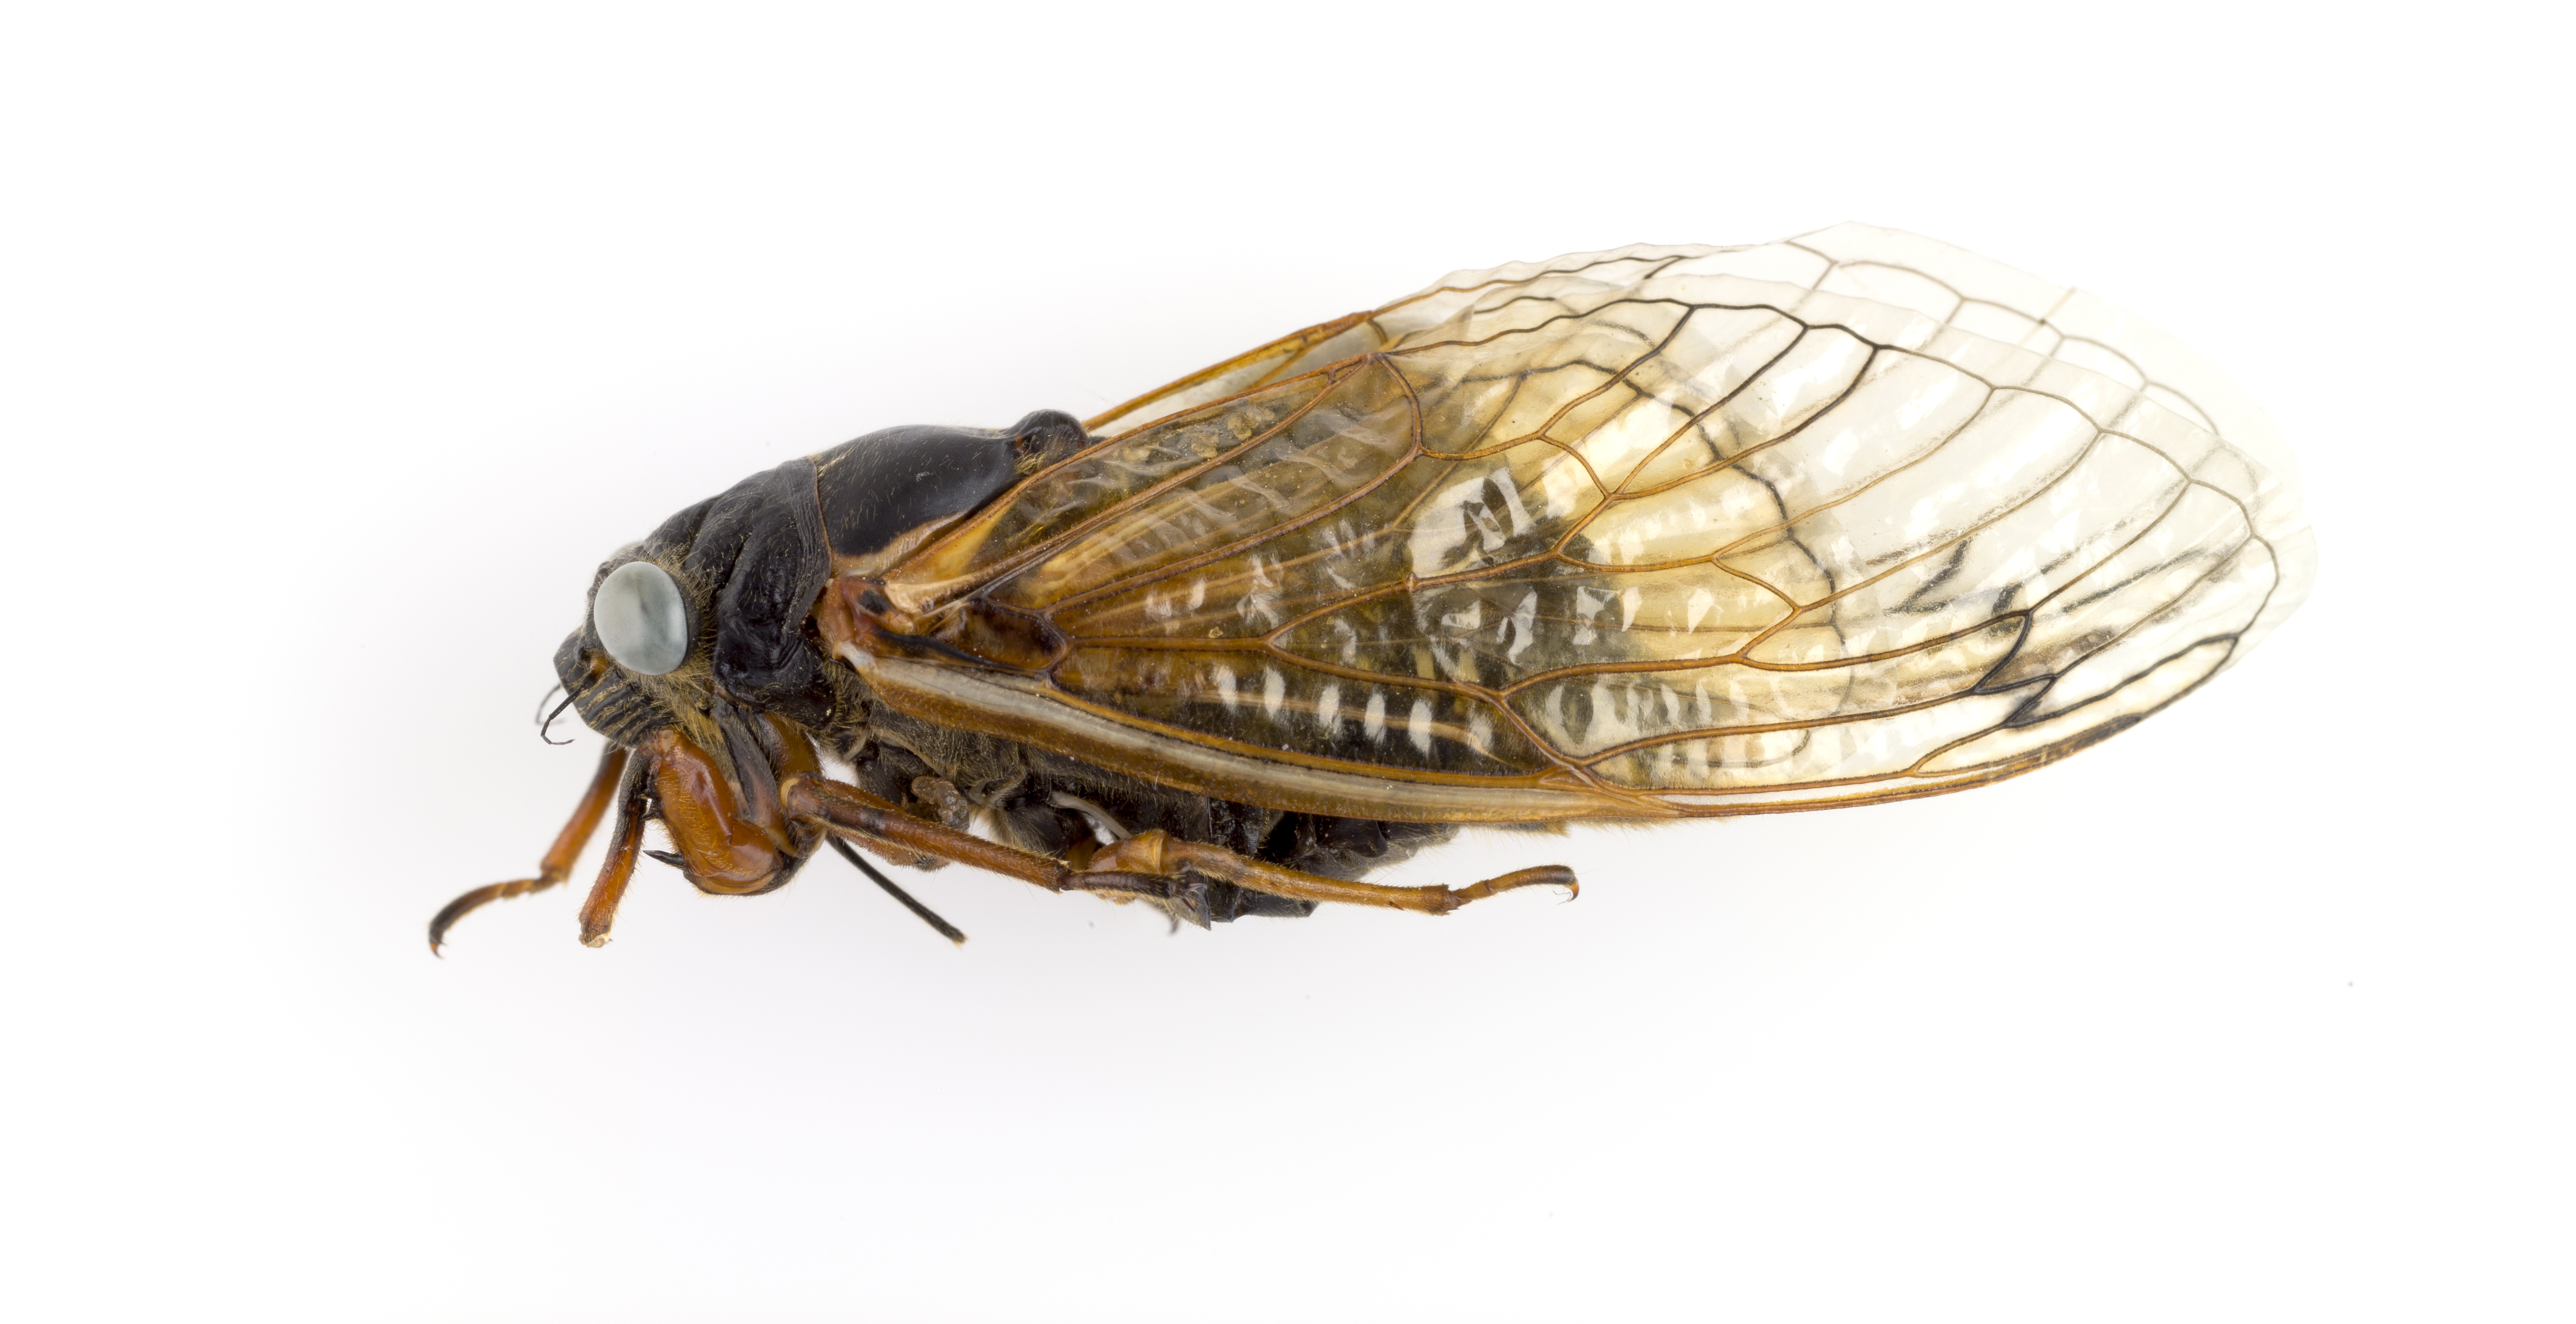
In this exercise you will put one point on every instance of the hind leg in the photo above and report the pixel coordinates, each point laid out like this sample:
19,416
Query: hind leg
1158,854
1150,864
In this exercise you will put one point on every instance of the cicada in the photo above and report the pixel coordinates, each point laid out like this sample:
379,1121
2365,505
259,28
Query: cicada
1653,534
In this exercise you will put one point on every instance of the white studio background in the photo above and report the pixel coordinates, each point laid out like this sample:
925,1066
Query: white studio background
340,343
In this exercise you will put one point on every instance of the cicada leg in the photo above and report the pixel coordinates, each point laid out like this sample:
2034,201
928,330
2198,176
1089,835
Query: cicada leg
1159,854
599,909
559,858
1149,864
882,826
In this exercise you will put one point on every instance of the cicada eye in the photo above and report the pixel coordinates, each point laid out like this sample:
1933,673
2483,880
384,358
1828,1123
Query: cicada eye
641,618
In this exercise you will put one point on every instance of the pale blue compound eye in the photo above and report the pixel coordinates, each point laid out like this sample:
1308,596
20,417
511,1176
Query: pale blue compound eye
641,619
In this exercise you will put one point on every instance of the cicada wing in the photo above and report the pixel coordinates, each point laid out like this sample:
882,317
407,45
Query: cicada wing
1979,294
1325,343
1291,355
1662,532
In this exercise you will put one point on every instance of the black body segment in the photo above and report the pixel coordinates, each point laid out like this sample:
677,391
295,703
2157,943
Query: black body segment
886,484
760,552
889,482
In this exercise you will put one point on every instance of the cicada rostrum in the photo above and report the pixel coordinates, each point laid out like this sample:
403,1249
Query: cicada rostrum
1660,533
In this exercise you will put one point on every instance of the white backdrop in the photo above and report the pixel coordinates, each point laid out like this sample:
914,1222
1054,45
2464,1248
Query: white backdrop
340,346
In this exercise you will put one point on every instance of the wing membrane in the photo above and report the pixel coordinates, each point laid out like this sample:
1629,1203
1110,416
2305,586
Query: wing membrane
1665,531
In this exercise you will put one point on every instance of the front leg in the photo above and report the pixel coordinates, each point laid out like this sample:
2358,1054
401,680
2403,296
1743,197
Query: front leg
557,865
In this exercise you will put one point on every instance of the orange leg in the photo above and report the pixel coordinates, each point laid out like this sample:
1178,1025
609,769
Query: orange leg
1160,854
559,858
883,827
625,842
1147,864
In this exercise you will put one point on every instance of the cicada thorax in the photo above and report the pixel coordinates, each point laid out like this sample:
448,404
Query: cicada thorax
879,495
885,494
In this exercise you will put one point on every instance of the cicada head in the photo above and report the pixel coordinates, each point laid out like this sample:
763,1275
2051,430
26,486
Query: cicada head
716,603
617,698
710,605
642,658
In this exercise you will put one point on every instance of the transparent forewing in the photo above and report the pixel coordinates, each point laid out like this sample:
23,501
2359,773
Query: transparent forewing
1678,530
1980,295
1360,333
